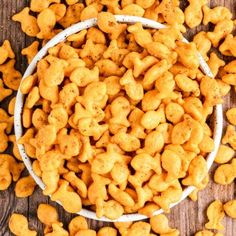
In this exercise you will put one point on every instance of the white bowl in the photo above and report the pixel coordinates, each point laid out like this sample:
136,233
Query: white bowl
218,117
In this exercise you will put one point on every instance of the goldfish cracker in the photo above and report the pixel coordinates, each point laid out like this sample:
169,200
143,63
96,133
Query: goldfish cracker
215,14
179,68
54,74
30,51
120,174
4,118
104,162
188,54
113,85
96,35
28,83
150,12
72,15
58,117
230,67
107,22
25,140
45,137
196,172
28,22
11,77
229,79
120,108
229,137
158,182
25,187
215,213
107,231
109,68
4,92
165,84
137,129
15,168
6,52
194,194
229,208
139,178
225,174
86,232
90,127
170,12
57,229
67,52
171,195
76,224
89,12
145,4
139,228
149,209
59,10
110,209
115,53
77,183
92,50
36,168
126,141
224,87
142,36
203,44
33,98
131,9
15,150
140,66
221,30
168,36
160,225
111,5
224,155
4,137
83,76
153,143
174,112
171,163
212,95
18,225
5,176
97,190
231,116
215,63
207,144
27,117
38,6
69,144
11,106
150,163
154,73
193,13
120,196
39,118
160,50
71,201
133,46
133,88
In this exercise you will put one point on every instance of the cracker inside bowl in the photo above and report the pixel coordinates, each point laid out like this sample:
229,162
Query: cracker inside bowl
133,129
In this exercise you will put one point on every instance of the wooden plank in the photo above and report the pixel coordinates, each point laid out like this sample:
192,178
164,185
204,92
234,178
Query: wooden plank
188,216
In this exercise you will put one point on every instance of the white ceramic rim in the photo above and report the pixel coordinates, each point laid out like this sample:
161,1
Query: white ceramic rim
218,113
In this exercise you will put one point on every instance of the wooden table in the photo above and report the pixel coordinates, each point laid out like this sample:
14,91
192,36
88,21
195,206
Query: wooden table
188,216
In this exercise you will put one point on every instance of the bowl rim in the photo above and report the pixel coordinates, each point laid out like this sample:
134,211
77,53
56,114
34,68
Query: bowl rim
218,111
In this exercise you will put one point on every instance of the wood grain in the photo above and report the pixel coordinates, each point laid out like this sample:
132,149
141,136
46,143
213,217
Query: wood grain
188,216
